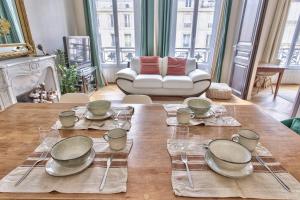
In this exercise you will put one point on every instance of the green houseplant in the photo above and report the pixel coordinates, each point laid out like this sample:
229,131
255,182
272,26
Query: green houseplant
68,74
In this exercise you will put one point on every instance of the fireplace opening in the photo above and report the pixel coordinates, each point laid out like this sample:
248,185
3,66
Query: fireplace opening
38,94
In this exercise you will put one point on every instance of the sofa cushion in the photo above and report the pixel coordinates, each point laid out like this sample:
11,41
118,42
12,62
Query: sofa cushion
176,66
135,64
198,75
149,65
127,73
190,65
180,82
148,81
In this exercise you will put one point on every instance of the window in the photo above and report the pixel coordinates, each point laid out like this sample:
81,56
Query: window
289,51
113,40
127,40
197,39
188,3
111,20
127,20
117,31
187,21
207,41
186,40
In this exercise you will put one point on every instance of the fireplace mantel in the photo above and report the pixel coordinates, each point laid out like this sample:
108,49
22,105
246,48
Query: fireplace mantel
20,75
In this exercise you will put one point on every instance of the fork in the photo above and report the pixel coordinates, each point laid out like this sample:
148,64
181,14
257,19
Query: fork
184,159
41,158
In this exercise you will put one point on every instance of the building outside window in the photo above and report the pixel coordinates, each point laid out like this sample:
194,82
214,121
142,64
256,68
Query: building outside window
187,21
186,40
127,40
116,25
289,50
197,39
127,20
111,20
188,3
113,40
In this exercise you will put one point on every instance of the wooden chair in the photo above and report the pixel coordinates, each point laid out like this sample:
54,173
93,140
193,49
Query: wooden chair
137,99
74,98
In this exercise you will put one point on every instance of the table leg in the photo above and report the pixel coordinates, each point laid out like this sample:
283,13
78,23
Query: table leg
278,84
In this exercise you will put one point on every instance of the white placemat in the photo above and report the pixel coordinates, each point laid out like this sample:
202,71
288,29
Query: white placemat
88,181
261,184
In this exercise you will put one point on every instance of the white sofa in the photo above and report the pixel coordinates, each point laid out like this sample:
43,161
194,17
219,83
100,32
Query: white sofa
194,83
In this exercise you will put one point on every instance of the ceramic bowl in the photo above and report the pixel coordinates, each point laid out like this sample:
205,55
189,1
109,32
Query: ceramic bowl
72,151
199,106
99,107
229,155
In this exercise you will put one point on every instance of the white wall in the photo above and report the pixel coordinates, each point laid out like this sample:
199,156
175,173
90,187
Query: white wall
50,20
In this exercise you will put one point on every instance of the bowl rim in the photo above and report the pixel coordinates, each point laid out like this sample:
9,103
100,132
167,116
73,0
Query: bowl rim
227,160
204,100
245,129
97,101
51,152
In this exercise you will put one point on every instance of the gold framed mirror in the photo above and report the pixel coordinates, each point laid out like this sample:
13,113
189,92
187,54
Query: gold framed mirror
15,35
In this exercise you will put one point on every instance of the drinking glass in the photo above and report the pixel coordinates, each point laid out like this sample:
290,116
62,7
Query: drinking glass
48,138
180,135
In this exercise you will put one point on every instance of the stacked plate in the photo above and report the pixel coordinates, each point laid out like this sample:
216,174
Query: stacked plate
71,156
229,158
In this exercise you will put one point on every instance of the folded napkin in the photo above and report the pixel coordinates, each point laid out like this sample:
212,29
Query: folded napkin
108,124
88,181
213,121
261,184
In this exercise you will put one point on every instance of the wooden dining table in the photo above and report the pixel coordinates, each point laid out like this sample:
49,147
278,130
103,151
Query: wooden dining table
149,165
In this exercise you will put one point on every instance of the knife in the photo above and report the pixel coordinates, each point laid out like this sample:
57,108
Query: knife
108,163
274,175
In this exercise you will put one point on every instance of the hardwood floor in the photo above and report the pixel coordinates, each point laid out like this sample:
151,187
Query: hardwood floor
280,108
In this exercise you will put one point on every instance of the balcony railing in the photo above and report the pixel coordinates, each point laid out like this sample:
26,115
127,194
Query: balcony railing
201,54
295,59
109,56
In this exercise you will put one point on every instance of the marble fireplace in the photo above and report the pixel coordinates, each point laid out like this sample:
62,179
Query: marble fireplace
19,76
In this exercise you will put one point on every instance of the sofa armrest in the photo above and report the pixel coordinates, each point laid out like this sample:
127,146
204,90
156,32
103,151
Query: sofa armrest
198,75
126,73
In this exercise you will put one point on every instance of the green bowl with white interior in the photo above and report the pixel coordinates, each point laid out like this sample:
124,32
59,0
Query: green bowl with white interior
199,106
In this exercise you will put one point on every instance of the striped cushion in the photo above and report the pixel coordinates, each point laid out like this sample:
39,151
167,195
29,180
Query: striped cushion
149,65
176,66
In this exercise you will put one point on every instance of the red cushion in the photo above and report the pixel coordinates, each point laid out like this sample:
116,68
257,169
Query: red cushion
176,66
149,65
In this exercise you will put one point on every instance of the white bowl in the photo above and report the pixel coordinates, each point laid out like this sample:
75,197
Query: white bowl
72,150
199,106
229,155
99,107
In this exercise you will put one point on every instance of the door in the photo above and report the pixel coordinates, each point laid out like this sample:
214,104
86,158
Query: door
245,46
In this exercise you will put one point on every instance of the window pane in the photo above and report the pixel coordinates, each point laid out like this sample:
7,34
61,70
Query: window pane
106,30
126,29
204,30
288,34
184,22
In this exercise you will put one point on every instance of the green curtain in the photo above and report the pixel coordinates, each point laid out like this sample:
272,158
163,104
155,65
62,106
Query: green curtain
147,28
5,13
92,31
224,20
164,23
